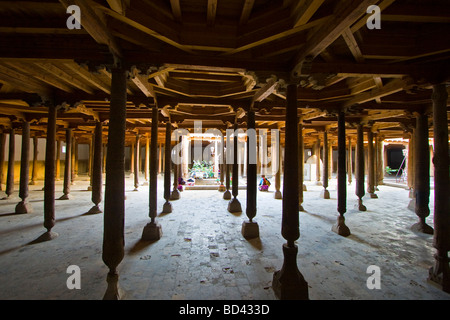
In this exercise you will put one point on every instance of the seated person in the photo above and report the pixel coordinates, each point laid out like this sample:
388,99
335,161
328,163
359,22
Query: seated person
264,184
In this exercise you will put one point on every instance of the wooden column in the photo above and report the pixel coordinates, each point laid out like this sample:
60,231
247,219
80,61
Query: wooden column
278,194
160,158
222,165
301,163
114,206
380,170
74,160
152,231
49,183
410,165
250,229
422,173
23,206
340,228
91,161
2,157
35,155
175,195
167,208
371,165
11,159
440,272
132,158
234,206
67,166
136,162
359,167
349,161
325,194
288,283
58,160
147,160
227,193
97,164
317,153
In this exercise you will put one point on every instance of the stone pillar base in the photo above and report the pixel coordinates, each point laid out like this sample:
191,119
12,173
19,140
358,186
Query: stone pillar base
175,195
234,206
325,194
250,230
439,274
318,183
152,232
89,188
227,195
145,183
113,292
47,236
65,197
94,210
278,195
23,207
422,227
359,205
373,195
412,205
31,183
288,283
340,228
304,187
222,188
167,207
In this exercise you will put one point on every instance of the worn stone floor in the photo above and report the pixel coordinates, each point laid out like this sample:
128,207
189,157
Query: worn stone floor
203,256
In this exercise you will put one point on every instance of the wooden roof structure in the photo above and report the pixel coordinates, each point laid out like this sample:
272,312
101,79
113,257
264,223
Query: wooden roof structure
210,59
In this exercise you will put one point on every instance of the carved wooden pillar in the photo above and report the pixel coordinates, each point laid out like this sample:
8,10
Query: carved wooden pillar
114,205
175,195
58,160
136,162
410,165
301,162
440,272
317,153
74,160
147,160
23,206
49,183
97,164
2,157
35,155
371,165
227,193
359,167
222,187
288,283
167,208
380,170
349,161
234,205
11,159
422,173
325,193
132,157
250,229
152,231
160,158
340,227
67,166
278,194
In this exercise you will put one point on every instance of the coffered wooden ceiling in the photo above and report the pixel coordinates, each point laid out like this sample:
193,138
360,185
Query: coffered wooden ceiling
210,59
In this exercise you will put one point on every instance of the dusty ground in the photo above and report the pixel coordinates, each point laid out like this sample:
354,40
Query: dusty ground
202,254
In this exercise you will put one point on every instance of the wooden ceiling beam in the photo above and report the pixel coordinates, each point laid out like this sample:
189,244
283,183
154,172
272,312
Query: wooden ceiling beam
304,11
88,77
211,12
246,11
346,13
95,25
176,9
